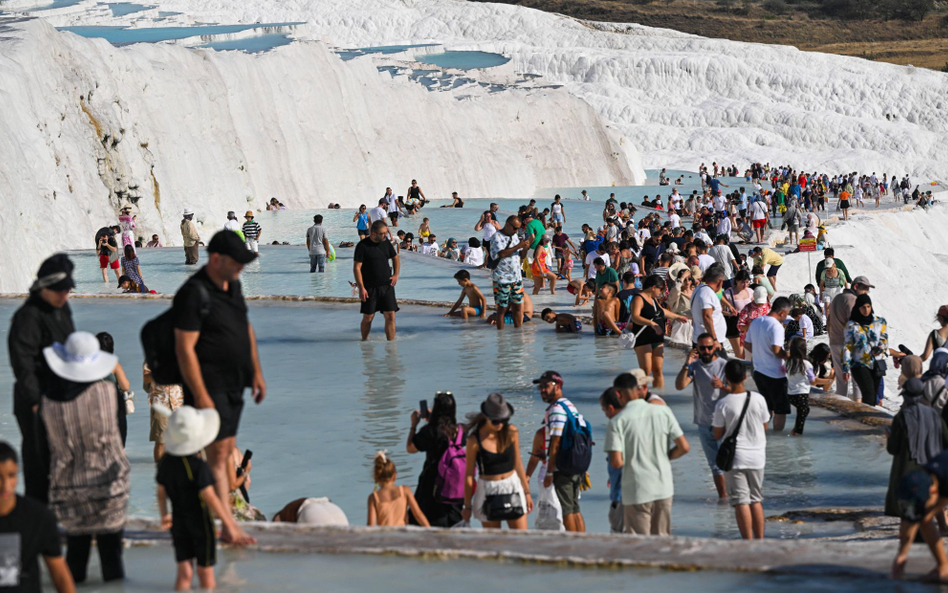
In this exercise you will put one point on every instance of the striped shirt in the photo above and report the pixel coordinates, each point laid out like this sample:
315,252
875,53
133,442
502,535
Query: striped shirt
555,420
251,230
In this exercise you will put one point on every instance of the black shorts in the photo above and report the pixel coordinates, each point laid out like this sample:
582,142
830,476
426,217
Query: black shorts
732,331
772,271
774,391
229,405
195,540
381,298
393,216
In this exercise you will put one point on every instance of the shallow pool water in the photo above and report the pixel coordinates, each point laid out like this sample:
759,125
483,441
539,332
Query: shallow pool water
253,45
465,60
125,35
333,401
124,8
348,54
152,569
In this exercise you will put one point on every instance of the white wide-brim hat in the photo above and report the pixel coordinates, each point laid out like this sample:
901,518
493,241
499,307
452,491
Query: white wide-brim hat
80,359
187,211
189,429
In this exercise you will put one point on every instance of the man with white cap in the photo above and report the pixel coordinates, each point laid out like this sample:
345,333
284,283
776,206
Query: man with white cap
216,347
185,479
190,236
45,318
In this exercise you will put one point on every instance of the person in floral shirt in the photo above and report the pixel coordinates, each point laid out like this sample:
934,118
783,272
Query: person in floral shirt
169,396
506,249
867,342
756,308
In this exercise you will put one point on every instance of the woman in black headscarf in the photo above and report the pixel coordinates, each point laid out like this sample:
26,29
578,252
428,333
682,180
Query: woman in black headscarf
864,350
918,434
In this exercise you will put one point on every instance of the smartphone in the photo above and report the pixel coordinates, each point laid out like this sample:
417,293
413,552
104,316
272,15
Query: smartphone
423,408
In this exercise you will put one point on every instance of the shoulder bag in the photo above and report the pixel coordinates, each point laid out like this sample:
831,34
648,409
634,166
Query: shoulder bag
728,447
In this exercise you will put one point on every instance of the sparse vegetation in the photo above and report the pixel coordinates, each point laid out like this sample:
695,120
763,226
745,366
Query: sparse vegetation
897,31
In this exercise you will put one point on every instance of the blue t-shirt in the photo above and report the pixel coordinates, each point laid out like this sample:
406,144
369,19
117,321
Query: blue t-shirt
715,185
363,223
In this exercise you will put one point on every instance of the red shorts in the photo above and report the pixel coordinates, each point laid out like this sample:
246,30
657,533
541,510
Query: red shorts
104,263
759,224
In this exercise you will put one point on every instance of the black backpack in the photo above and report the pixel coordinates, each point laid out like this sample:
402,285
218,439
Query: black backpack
158,343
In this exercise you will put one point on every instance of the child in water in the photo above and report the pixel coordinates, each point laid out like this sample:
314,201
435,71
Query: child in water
185,479
388,504
477,304
565,323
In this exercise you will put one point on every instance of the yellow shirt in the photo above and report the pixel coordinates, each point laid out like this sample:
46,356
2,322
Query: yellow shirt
768,257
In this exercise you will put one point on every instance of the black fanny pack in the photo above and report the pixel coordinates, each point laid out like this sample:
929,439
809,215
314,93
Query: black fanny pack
503,507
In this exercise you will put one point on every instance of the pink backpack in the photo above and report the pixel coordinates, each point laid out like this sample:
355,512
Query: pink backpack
452,469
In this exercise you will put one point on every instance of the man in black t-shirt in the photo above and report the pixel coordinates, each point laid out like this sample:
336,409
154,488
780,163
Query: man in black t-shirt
217,349
375,279
27,529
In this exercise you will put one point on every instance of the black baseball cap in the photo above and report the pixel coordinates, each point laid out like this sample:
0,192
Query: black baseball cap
55,273
549,376
229,244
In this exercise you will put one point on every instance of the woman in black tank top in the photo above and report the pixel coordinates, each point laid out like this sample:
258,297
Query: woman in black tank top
493,448
648,323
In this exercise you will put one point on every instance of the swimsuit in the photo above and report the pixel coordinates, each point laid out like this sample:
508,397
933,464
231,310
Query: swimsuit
478,310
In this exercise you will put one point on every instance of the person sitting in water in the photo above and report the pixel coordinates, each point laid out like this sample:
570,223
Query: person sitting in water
565,323
128,285
451,250
477,304
456,201
606,312
320,512
431,247
508,316
473,254
153,243
583,290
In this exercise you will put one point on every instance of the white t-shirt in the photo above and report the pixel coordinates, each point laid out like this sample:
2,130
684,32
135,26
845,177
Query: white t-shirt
705,261
675,220
751,450
377,213
430,249
800,383
556,208
722,255
704,237
473,256
763,333
591,273
489,231
719,202
392,202
758,210
703,298
806,324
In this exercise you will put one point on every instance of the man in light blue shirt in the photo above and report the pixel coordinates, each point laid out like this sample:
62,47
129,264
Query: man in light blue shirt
642,440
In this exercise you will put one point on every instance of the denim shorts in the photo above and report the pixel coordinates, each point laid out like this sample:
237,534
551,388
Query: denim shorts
710,447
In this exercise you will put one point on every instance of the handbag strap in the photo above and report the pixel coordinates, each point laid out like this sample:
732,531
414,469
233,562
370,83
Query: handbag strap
740,420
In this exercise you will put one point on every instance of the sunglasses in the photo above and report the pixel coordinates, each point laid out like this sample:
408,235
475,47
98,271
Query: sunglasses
706,348
498,422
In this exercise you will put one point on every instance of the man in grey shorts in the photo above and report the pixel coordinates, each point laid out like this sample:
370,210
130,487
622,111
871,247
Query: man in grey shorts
704,370
746,477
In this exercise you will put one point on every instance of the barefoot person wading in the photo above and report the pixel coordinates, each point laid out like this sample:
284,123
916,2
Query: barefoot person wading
375,279
217,352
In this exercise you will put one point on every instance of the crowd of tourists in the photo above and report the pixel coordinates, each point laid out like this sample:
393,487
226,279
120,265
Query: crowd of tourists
641,281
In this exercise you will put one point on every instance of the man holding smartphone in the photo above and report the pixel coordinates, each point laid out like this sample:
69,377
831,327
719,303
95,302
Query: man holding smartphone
704,371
